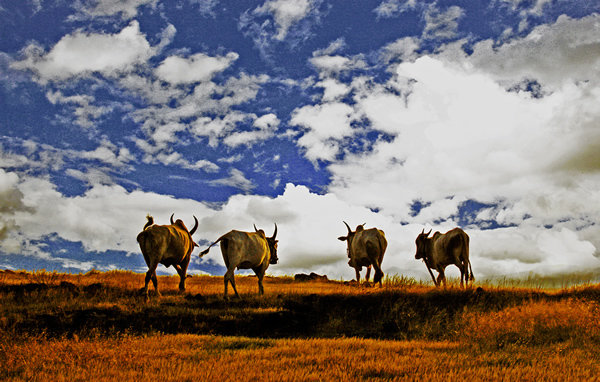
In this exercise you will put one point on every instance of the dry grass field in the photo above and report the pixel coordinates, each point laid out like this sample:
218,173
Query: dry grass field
97,326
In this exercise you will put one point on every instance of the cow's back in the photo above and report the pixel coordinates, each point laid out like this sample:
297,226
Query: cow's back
167,244
450,248
368,245
244,249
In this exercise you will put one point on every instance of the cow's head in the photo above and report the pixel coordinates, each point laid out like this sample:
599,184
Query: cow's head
423,245
348,238
272,242
180,224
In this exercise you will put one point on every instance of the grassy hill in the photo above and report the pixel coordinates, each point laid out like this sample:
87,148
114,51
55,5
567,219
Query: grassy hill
110,304
98,326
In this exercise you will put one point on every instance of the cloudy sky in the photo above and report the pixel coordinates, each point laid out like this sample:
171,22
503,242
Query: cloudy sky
401,114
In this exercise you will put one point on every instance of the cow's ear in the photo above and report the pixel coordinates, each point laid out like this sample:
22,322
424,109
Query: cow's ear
343,238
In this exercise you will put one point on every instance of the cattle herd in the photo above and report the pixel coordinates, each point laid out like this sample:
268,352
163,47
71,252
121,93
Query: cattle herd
173,245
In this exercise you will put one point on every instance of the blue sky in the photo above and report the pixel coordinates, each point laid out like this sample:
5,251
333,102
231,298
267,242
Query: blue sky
403,114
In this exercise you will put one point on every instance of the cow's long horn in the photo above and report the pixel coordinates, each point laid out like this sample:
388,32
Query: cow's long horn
173,214
347,226
275,233
429,232
195,226
255,229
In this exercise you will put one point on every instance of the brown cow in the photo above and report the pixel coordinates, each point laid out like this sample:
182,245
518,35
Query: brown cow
442,250
247,250
366,248
167,245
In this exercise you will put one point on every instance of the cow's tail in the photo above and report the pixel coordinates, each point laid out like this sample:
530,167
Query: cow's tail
150,221
208,249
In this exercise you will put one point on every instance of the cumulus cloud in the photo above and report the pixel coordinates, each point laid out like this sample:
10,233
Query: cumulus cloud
195,111
280,21
300,214
83,53
325,126
556,54
106,156
403,49
285,13
328,63
391,8
265,127
442,24
44,212
235,179
461,130
84,110
198,67
102,8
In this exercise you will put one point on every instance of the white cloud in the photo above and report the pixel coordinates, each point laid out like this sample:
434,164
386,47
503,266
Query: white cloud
300,214
107,153
83,53
391,8
286,13
266,126
334,65
553,54
202,110
236,179
217,128
127,8
326,124
442,24
333,89
87,219
41,211
198,67
85,112
47,157
459,133
404,49
461,130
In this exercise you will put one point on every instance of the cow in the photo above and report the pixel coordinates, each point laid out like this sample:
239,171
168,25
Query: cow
366,248
442,250
246,250
167,245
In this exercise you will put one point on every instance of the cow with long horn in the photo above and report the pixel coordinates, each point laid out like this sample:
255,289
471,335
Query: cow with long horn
441,250
366,248
246,250
167,245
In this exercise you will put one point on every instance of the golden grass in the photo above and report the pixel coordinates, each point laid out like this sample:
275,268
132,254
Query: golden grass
497,333
209,358
534,323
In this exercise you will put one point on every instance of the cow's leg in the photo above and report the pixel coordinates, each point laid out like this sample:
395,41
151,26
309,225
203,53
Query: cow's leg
182,270
181,273
462,276
464,272
368,275
260,275
377,278
151,275
441,278
229,278
357,276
